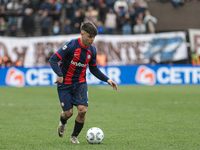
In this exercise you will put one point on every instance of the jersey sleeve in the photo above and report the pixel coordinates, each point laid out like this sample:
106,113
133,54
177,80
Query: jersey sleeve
65,49
59,55
93,61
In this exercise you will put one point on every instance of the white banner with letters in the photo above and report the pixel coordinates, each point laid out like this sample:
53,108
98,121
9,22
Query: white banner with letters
119,49
194,35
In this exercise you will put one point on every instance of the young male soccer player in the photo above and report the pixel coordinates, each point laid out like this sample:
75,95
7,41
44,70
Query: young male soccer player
75,56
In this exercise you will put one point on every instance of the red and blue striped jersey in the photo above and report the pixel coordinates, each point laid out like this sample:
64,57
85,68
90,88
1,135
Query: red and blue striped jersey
74,59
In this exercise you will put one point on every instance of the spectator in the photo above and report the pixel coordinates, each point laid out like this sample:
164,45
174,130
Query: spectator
149,21
3,12
76,23
58,8
110,22
102,12
70,9
121,6
139,28
126,28
20,13
28,23
84,5
91,15
56,28
46,6
34,4
45,23
12,6
110,4
3,27
68,26
13,30
100,27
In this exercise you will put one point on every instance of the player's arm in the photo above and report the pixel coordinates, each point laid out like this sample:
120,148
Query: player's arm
97,73
55,58
54,65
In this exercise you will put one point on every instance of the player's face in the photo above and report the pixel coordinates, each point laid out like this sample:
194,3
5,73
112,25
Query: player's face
87,39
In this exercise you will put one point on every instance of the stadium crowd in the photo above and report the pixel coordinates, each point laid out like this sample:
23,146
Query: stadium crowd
110,16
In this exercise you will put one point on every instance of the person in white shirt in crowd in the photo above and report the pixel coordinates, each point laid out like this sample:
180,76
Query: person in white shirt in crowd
110,21
139,27
120,5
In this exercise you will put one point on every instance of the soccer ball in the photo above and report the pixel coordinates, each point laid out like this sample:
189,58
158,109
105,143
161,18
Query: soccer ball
94,135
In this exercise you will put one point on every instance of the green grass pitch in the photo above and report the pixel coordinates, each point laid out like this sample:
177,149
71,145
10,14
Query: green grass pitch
132,118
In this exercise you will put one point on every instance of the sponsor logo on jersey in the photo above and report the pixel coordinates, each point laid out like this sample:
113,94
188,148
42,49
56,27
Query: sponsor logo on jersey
15,77
64,47
145,75
79,64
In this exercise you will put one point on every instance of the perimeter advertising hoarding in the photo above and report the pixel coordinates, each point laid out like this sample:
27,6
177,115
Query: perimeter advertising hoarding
122,75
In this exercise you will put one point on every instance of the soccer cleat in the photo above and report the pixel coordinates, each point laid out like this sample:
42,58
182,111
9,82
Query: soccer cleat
74,139
61,129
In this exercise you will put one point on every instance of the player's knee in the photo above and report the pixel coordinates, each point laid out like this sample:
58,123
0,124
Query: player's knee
68,114
82,111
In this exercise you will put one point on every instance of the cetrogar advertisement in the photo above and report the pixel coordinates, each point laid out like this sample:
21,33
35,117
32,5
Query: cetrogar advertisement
122,75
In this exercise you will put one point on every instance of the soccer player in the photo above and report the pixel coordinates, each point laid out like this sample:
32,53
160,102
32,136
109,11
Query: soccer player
74,57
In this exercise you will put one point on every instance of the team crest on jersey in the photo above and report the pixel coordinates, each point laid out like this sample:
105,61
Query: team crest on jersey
89,56
64,47
62,104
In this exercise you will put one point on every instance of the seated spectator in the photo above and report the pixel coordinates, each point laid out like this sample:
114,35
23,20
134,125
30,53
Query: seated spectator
3,27
13,30
100,27
110,22
45,23
56,28
139,28
28,23
68,26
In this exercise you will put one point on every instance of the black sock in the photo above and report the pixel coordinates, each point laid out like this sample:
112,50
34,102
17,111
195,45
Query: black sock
77,128
63,120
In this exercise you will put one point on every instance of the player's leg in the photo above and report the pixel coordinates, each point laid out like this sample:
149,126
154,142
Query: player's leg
65,101
80,99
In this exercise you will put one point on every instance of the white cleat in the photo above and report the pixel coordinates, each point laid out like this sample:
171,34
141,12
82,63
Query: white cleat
61,129
74,139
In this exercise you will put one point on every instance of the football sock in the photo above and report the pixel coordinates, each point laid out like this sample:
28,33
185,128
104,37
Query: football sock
77,128
63,120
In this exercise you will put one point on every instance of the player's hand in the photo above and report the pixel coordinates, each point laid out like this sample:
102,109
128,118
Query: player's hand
59,80
112,83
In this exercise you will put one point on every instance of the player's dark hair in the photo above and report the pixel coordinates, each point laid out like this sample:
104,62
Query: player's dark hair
89,27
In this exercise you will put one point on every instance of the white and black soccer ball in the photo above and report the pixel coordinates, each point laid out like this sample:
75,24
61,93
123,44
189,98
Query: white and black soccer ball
94,135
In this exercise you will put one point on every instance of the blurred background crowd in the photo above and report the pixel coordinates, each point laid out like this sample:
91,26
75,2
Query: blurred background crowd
58,17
